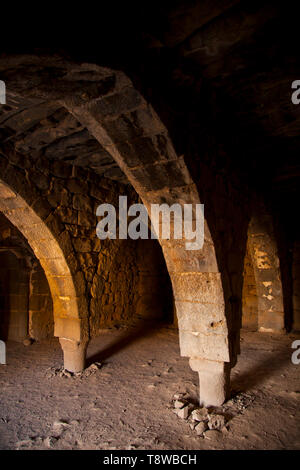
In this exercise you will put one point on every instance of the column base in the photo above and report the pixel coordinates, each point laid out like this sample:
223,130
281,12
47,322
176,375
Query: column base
214,381
74,354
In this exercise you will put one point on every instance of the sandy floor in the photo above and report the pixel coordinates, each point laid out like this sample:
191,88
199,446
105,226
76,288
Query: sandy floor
126,404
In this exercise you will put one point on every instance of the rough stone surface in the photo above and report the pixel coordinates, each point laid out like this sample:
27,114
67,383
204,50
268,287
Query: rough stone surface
68,132
216,422
200,428
200,414
179,404
111,274
183,412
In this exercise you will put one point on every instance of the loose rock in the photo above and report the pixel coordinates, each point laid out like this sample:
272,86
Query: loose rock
179,404
183,412
49,441
216,422
200,428
200,414
193,424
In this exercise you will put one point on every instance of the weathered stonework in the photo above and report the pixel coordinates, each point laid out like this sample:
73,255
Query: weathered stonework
66,138
106,274
129,130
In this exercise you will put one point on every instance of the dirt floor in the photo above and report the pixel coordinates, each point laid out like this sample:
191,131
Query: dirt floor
126,403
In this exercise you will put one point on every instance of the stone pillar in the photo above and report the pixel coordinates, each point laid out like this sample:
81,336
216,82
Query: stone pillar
74,354
214,381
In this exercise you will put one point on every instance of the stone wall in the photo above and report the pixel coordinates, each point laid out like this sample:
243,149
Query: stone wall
34,314
14,285
40,308
118,281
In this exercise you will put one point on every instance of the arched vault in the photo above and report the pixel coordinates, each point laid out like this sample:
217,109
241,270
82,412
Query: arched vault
106,103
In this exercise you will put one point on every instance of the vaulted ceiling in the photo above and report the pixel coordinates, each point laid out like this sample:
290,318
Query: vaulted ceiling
39,128
228,64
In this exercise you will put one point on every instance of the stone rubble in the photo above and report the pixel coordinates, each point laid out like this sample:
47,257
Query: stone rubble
212,434
61,372
200,428
212,421
179,403
201,420
200,414
216,422
183,412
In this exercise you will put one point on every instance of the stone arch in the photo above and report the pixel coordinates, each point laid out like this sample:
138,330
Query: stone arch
262,247
127,127
249,295
68,325
130,130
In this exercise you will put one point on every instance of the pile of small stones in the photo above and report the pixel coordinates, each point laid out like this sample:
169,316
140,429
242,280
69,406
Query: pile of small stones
200,420
61,372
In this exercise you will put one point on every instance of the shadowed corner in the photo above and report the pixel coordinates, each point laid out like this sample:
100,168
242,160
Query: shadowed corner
142,329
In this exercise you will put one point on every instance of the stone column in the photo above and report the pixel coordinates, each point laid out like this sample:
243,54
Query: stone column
74,354
214,381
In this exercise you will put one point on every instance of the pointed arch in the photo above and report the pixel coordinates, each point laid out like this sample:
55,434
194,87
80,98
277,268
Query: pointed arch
48,251
128,128
106,103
